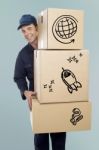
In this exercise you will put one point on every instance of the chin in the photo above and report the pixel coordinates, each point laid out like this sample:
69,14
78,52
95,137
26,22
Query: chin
31,42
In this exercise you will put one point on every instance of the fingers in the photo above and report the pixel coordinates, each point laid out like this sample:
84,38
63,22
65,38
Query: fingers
30,95
30,104
30,101
34,95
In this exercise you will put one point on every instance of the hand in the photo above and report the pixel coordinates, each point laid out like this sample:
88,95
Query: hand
29,96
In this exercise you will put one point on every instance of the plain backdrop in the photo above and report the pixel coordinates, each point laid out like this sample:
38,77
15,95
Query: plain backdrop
15,129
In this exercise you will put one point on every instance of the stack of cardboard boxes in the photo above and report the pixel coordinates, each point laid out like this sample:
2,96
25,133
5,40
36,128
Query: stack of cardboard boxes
61,73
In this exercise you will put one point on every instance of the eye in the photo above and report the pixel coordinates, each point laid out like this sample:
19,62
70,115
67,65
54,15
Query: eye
29,28
23,31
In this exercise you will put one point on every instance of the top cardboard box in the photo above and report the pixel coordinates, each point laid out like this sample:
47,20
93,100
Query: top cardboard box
60,29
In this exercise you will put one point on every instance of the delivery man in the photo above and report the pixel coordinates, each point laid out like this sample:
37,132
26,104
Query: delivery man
23,76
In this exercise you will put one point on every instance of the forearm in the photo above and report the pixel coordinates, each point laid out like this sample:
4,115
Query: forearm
22,85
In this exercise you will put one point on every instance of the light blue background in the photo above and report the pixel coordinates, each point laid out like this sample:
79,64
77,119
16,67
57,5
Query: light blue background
15,129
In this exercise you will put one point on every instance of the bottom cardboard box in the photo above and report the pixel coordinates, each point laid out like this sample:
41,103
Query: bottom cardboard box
60,117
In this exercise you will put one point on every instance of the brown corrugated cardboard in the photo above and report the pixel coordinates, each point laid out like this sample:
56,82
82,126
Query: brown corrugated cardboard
60,117
61,76
60,29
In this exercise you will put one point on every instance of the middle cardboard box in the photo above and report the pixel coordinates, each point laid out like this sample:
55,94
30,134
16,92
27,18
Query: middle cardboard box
61,76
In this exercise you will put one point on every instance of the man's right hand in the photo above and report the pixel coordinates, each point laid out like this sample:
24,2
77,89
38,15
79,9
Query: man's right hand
29,96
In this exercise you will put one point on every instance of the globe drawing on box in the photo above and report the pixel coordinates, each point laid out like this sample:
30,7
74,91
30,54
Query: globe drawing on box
64,28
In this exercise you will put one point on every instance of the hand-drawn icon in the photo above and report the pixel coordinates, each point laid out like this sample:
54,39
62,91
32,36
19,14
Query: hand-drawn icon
75,58
76,116
70,59
70,80
64,29
80,54
49,86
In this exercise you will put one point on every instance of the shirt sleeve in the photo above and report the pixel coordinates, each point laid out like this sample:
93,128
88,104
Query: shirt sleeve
20,75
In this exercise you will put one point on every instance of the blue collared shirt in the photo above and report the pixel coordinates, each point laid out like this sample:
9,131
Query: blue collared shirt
24,70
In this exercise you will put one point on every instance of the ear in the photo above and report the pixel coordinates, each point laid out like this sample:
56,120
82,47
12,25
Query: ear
36,28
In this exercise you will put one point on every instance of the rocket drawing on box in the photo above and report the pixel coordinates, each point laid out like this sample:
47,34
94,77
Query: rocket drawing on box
64,28
70,80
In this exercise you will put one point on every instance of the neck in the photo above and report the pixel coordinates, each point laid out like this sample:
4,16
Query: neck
34,44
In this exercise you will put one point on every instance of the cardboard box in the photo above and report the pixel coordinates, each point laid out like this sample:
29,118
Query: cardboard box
60,117
61,76
60,29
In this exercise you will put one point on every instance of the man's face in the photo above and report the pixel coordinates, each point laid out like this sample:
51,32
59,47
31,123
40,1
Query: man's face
30,33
